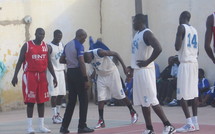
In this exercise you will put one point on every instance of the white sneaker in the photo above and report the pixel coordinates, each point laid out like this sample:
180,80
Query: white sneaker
148,132
44,130
30,131
186,128
169,130
134,118
196,127
57,119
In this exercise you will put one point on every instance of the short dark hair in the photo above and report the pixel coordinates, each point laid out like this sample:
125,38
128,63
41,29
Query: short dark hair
140,17
186,15
57,32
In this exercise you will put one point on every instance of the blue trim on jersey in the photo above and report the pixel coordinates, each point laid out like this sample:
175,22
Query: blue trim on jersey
79,48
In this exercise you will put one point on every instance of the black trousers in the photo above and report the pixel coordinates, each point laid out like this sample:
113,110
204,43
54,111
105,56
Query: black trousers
76,89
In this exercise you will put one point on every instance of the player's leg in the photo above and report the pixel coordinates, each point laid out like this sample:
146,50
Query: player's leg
30,109
101,123
134,115
147,117
194,104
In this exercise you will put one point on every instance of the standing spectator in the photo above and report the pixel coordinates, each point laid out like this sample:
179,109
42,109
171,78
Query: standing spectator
57,93
145,49
77,82
210,31
187,81
108,82
35,57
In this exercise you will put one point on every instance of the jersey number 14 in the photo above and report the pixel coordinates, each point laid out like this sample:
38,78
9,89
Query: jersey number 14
192,41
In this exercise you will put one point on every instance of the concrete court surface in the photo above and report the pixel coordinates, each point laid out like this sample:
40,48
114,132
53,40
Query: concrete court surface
117,119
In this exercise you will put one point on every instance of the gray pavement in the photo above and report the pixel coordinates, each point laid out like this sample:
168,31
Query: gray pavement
14,122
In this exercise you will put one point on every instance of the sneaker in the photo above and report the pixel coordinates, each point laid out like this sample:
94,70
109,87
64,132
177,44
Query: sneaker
196,126
100,124
174,102
186,128
134,118
148,132
30,131
169,130
85,130
64,131
44,130
57,119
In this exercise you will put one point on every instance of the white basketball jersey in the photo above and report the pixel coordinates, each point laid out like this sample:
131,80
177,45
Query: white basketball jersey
55,56
189,48
103,65
140,51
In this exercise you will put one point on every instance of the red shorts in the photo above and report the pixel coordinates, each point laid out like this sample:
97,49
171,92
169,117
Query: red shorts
35,87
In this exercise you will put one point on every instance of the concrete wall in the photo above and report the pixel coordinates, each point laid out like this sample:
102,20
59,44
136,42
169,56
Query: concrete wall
66,15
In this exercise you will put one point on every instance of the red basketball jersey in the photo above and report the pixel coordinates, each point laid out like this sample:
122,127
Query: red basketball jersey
36,57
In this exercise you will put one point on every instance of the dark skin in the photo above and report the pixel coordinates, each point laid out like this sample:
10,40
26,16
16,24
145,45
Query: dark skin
102,53
56,100
150,40
81,36
178,43
208,37
40,34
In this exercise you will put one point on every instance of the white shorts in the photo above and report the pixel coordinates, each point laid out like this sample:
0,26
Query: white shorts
187,81
61,87
144,87
110,86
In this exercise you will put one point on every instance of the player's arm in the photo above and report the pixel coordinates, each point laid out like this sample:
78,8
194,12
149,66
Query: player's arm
179,37
51,69
103,53
62,59
208,37
19,64
150,40
83,70
50,48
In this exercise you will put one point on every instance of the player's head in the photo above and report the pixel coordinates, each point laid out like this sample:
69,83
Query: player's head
184,17
139,22
57,36
81,35
39,34
88,57
201,73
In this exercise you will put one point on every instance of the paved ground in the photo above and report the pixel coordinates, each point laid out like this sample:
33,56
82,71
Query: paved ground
116,117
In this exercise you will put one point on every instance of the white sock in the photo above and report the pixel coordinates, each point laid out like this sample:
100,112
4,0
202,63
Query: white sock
189,120
194,119
54,110
41,122
58,108
29,122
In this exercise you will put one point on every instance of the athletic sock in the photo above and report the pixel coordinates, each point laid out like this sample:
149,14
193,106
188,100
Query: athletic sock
41,122
194,119
29,122
54,110
189,120
58,108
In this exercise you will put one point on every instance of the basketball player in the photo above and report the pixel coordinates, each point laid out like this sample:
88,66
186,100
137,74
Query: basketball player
108,81
56,49
145,49
210,31
187,83
35,59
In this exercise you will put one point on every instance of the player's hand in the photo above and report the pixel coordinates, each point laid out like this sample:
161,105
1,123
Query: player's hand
142,63
86,85
55,82
14,81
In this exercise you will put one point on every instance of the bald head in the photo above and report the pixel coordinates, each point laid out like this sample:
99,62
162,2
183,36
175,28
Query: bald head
81,35
184,17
